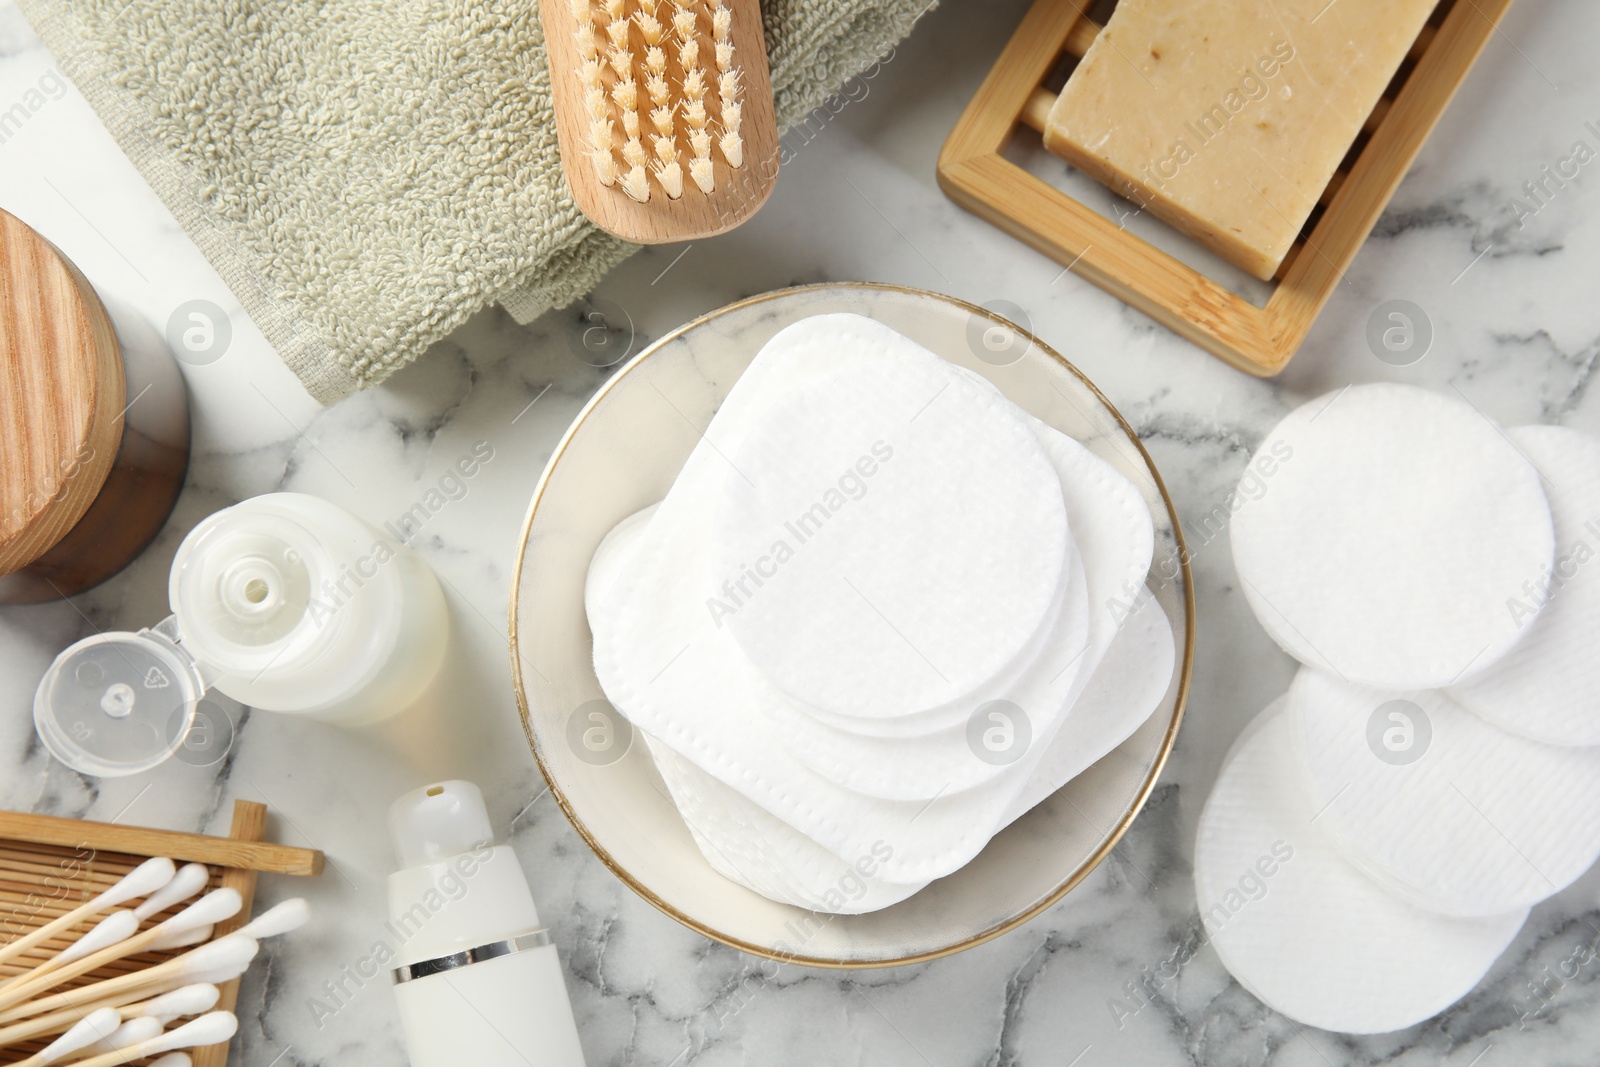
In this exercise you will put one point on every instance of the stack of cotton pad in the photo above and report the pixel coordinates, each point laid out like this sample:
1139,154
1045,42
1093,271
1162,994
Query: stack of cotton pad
1377,837
872,622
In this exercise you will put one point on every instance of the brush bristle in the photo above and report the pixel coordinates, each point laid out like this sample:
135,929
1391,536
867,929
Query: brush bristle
636,184
646,70
689,54
670,175
732,146
694,83
700,170
650,28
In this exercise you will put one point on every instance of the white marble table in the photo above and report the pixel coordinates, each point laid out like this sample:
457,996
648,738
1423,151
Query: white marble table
1517,332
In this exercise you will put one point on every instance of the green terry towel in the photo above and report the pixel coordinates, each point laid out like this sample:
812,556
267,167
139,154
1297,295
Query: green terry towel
366,174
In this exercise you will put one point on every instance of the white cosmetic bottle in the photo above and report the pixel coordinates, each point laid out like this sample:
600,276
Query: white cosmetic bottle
284,602
292,604
477,978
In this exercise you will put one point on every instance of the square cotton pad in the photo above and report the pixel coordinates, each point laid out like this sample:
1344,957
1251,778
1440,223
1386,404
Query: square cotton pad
1126,688
716,713
669,661
1387,544
760,852
750,846
1548,686
1303,929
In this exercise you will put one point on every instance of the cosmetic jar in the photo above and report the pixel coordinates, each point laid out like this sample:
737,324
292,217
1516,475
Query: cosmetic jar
94,433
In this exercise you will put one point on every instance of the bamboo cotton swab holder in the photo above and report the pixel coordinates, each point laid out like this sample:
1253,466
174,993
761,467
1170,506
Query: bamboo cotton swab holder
50,866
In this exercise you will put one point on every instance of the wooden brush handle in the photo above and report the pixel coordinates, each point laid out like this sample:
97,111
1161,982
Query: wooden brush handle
736,195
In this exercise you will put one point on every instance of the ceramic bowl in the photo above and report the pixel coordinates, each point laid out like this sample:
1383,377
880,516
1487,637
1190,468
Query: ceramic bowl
622,453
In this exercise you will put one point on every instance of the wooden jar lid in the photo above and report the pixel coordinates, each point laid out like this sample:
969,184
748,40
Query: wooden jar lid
62,395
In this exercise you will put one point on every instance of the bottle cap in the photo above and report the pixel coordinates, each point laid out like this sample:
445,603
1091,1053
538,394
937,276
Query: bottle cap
439,821
118,703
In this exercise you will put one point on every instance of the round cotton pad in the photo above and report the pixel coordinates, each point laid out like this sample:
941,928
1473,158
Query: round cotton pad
1441,806
1113,535
945,762
1111,528
1379,532
1548,686
1301,928
887,542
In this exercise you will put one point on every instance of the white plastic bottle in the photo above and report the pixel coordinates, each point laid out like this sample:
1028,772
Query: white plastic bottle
284,602
477,978
293,604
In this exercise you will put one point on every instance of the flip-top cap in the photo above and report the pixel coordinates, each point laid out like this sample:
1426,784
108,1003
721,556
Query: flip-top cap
117,703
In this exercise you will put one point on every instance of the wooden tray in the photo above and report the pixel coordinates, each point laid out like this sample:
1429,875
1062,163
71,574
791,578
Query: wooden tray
78,859
1260,340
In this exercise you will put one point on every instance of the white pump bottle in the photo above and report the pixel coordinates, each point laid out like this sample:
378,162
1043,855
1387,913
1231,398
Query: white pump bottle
477,978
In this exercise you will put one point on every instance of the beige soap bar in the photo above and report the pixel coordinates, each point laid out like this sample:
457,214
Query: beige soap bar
1227,118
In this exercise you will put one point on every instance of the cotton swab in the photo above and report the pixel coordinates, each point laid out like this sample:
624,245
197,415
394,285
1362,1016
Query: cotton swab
212,1029
127,1035
173,1059
183,938
45,1025
190,879
174,1004
219,961
117,926
212,908
157,992
188,1000
149,877
290,915
92,1028
219,975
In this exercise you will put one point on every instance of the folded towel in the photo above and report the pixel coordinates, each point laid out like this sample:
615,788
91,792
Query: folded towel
366,174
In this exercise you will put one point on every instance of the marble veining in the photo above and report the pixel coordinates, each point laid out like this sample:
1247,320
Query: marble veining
1509,294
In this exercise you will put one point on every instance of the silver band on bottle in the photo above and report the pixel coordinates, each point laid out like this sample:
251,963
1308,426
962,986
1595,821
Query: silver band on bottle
467,957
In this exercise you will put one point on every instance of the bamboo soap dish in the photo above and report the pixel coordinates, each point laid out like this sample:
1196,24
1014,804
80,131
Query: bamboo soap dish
50,865
1015,101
